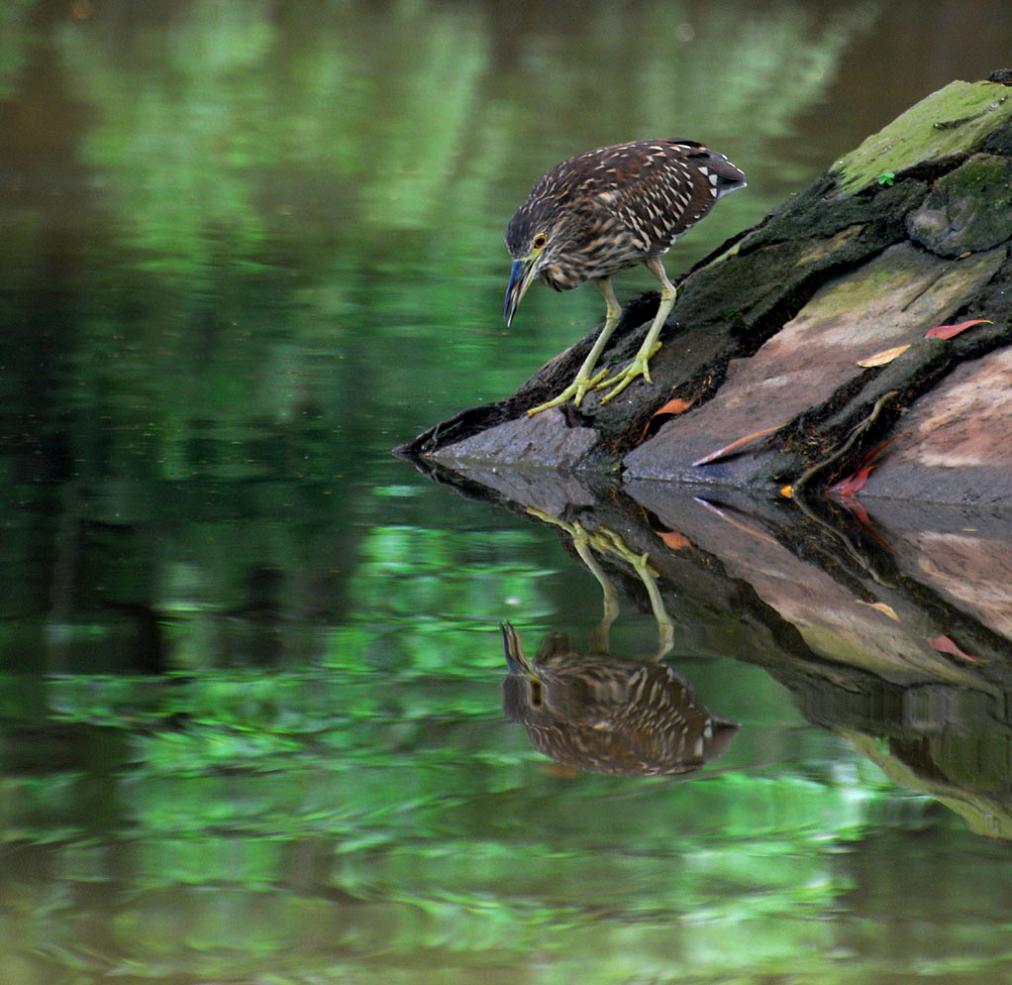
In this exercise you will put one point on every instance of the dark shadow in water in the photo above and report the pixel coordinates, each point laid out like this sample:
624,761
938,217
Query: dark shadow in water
891,627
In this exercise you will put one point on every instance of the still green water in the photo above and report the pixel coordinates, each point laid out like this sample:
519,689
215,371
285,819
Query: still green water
250,666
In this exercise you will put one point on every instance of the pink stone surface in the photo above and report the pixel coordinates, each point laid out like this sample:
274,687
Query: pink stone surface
891,300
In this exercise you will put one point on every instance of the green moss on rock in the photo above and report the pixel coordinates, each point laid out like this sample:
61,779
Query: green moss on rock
955,120
968,209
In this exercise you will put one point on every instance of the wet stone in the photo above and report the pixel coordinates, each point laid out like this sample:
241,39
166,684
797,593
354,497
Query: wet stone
887,302
955,444
544,439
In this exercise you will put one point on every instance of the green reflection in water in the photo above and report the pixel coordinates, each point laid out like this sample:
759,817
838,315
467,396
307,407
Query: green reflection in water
247,248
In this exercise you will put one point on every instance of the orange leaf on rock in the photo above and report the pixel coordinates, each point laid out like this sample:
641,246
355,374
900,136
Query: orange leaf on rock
884,357
674,540
884,607
951,331
674,406
945,644
737,445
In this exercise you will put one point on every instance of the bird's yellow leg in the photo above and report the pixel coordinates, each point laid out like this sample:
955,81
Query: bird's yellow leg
583,380
640,366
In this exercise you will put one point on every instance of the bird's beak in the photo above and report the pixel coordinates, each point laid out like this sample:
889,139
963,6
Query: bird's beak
521,275
515,658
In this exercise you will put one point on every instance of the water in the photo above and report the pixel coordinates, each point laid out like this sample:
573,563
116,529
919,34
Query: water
250,666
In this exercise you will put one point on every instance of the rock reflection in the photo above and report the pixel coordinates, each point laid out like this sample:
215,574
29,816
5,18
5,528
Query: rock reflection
604,714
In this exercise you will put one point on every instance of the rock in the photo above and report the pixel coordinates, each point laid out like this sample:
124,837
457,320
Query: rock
910,230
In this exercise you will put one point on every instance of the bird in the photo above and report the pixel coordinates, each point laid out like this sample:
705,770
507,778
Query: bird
604,714
606,210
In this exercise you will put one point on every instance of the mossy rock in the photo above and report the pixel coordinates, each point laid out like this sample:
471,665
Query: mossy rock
955,120
969,209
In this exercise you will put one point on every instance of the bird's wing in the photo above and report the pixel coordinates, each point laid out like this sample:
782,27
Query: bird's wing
660,188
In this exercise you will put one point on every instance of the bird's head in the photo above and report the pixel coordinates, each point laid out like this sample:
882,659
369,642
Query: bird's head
530,246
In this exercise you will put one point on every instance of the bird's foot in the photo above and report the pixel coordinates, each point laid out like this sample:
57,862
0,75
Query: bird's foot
640,366
576,391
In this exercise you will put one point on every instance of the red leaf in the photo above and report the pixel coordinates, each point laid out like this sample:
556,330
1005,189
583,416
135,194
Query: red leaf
951,331
736,446
853,506
853,484
945,644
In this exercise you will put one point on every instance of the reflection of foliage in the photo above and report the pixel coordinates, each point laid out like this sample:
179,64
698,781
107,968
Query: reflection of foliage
389,813
278,251
13,39
371,154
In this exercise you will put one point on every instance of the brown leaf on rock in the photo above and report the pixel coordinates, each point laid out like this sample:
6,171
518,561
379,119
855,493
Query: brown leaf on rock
945,644
884,357
951,331
736,446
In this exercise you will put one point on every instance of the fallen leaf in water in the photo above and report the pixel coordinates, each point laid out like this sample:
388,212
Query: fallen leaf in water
737,446
882,607
853,484
560,770
945,644
674,406
853,506
951,331
787,492
884,357
737,524
674,540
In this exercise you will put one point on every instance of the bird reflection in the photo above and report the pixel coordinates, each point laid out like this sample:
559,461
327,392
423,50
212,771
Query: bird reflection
603,714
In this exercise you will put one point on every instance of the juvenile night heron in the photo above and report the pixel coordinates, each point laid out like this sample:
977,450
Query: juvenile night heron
600,212
607,715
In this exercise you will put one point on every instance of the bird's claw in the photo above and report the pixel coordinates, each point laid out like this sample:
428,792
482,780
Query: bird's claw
576,391
640,366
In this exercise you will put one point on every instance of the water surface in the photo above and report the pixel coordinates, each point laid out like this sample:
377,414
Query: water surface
250,665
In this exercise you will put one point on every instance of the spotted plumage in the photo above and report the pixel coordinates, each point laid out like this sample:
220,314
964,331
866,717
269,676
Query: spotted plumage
612,208
608,715
600,212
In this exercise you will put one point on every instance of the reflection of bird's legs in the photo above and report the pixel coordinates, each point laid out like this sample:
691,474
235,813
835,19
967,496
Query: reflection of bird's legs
583,380
640,365
582,543
599,634
606,541
611,542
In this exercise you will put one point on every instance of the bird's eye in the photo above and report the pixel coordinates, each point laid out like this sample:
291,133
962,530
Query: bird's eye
540,240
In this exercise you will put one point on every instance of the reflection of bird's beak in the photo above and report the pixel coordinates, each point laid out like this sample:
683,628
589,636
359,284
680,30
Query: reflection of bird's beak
515,659
520,279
